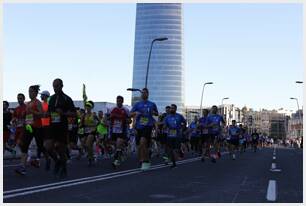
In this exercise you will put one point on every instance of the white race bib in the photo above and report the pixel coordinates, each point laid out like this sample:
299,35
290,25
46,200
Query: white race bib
117,128
29,119
55,117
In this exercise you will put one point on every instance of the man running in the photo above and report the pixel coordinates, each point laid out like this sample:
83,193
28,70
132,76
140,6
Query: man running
32,129
118,127
144,111
234,132
205,138
60,107
255,138
173,123
89,121
215,121
194,136
162,133
19,118
7,117
45,123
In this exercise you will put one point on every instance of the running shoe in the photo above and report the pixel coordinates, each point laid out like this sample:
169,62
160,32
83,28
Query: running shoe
219,154
234,157
21,171
35,163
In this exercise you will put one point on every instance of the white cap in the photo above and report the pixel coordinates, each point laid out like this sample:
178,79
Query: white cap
46,93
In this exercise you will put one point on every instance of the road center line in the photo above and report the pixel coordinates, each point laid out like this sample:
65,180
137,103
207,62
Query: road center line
271,191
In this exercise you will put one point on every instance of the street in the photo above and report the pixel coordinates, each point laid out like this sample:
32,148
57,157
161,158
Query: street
269,175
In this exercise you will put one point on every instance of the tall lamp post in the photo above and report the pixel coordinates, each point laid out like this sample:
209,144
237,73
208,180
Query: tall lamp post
224,99
148,64
297,102
301,119
222,112
202,96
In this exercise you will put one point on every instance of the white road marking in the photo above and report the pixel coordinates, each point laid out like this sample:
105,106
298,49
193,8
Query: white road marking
275,170
271,191
12,165
63,184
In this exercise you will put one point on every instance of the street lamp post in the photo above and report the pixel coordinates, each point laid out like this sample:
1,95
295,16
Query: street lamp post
297,102
202,96
224,99
148,64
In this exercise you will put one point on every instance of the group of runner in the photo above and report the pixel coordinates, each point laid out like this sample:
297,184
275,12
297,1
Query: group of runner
59,127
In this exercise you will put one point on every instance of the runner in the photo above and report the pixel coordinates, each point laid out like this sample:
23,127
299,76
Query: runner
7,117
242,139
118,128
162,133
173,123
214,123
205,137
19,118
144,111
32,129
60,107
89,121
73,135
255,137
194,136
45,122
234,132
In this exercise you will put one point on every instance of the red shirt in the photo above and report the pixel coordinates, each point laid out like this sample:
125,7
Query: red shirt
20,114
119,114
30,117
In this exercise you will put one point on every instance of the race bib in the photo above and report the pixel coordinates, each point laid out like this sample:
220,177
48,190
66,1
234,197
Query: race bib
55,117
88,130
20,123
117,128
172,133
205,131
70,126
144,121
29,119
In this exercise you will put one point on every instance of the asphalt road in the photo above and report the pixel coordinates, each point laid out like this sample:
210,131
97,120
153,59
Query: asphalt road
248,179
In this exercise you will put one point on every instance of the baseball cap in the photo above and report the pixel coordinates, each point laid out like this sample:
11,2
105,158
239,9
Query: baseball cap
46,93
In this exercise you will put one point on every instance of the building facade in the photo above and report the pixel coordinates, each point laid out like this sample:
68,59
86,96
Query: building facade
166,67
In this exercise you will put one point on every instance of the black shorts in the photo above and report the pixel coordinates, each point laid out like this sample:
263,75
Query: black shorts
28,137
146,133
59,133
173,143
73,136
215,138
205,138
46,132
162,138
234,142
115,136
194,140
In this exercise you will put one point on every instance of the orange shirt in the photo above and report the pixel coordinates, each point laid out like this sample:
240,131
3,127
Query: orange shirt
45,121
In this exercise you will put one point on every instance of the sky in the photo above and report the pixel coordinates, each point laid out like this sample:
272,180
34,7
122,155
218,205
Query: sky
252,52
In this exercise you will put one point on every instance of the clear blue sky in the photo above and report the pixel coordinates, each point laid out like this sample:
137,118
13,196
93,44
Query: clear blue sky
252,52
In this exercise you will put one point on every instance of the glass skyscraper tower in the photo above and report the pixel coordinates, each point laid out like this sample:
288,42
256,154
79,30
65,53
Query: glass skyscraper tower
166,70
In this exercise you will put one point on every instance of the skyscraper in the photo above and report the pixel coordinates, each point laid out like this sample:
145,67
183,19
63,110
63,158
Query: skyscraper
166,68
